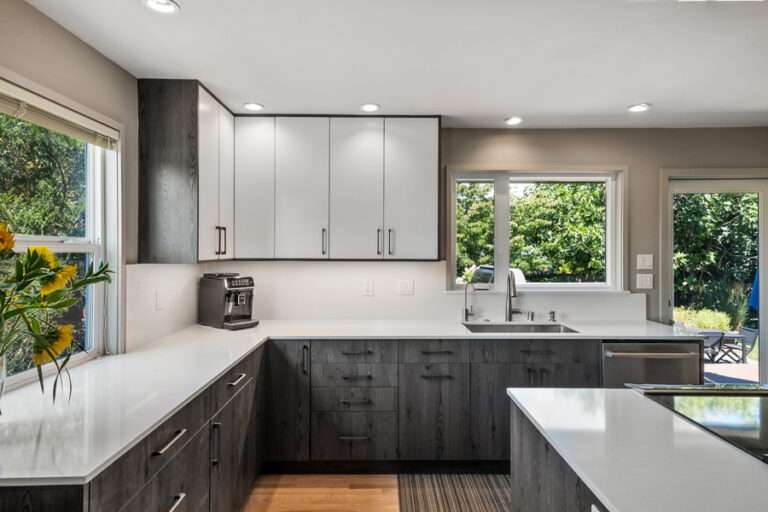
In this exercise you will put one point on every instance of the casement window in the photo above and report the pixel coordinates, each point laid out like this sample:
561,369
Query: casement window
553,231
59,187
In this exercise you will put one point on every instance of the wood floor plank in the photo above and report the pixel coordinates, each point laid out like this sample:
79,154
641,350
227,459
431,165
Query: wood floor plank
324,493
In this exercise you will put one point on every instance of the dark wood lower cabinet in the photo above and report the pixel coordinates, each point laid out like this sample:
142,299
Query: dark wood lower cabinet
46,498
541,479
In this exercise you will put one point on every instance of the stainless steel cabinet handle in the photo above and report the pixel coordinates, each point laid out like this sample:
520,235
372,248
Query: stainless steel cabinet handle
218,240
357,377
437,352
216,426
305,359
652,355
354,438
378,240
437,377
390,250
224,228
237,381
177,501
181,433
356,402
358,353
323,247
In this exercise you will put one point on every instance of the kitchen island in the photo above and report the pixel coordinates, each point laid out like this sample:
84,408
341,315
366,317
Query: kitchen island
622,452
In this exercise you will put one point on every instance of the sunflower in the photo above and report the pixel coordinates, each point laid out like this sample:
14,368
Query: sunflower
7,240
59,280
58,341
46,254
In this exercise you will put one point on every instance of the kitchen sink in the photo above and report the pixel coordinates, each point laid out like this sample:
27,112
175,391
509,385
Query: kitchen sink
519,328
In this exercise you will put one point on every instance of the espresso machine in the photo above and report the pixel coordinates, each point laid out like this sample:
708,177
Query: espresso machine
225,301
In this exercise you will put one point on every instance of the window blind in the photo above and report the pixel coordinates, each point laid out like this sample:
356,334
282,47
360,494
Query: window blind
26,112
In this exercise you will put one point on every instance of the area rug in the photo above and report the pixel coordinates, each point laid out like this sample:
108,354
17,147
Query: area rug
454,493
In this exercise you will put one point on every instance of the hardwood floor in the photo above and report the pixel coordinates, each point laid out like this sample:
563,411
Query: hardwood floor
327,493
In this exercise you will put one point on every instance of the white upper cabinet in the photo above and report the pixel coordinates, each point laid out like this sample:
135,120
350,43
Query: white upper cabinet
226,182
208,176
254,188
411,162
357,188
301,188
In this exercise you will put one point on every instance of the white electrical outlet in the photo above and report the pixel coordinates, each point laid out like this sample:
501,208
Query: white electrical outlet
644,262
368,289
644,281
405,287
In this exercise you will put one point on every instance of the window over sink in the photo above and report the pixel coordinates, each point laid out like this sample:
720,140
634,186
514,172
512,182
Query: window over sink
553,231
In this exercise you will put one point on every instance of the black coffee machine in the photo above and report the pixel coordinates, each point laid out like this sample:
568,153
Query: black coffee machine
225,301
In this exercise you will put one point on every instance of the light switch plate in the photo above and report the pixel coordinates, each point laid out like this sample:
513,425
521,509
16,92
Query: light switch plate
644,281
645,262
368,288
405,287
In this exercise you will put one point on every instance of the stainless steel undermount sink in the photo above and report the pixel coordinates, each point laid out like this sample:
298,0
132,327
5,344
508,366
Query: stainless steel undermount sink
519,328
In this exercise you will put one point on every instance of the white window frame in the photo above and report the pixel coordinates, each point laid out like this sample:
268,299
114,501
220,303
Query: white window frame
613,177
103,237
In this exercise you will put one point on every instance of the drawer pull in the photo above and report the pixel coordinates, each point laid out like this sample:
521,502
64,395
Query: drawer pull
177,501
356,402
181,433
354,438
436,352
437,377
237,381
215,440
357,377
547,352
358,353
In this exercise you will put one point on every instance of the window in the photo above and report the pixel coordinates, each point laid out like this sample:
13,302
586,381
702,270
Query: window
53,193
551,231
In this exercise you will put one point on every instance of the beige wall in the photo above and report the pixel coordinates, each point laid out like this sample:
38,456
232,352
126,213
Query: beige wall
642,152
37,49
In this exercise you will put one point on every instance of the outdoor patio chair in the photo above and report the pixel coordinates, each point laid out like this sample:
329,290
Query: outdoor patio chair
713,341
737,351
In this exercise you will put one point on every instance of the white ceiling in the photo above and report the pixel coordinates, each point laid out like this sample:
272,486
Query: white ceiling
556,63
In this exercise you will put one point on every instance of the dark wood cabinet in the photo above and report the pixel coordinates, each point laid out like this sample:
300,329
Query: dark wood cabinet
351,436
434,411
288,412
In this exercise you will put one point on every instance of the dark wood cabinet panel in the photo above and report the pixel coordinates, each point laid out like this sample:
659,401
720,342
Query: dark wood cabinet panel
287,418
541,479
354,351
234,380
434,351
350,436
434,410
582,375
534,351
342,399
354,375
65,498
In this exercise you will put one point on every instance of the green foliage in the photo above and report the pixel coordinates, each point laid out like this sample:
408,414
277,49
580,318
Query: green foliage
474,225
716,252
703,319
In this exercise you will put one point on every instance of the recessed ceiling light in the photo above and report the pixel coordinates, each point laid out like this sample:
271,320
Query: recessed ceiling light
370,107
253,107
640,107
163,6
513,121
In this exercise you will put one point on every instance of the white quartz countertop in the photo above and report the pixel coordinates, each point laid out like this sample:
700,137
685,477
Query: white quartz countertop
117,400
637,456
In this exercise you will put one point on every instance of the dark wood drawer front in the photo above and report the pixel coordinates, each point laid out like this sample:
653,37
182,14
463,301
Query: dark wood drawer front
354,351
354,399
235,379
434,351
344,436
114,486
183,483
354,375
535,351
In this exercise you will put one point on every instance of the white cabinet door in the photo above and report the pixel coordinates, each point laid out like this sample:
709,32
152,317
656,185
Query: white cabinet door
357,188
301,198
410,188
226,182
254,187
208,176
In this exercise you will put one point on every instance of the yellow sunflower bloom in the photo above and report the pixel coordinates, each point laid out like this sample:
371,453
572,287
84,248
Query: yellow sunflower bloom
7,240
60,279
57,345
47,255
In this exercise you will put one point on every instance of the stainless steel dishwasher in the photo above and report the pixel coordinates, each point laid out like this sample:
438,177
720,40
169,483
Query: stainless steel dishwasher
630,362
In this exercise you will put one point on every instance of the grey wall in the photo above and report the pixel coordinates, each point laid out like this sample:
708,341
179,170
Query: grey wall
643,152
35,47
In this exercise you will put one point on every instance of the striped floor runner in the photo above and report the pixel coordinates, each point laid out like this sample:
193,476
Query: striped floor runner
454,493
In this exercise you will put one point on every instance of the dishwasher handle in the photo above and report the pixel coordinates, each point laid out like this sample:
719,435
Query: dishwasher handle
652,355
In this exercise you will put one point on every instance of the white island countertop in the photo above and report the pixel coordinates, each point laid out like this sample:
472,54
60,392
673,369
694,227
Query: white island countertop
117,400
638,456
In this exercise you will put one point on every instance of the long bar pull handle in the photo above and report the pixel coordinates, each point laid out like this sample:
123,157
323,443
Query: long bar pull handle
322,239
215,440
436,352
542,375
378,241
357,377
224,228
354,438
237,381
218,240
358,353
305,360
356,402
390,250
652,355
437,377
177,501
181,433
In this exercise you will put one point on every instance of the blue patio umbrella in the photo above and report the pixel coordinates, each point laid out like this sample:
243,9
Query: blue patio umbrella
754,295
